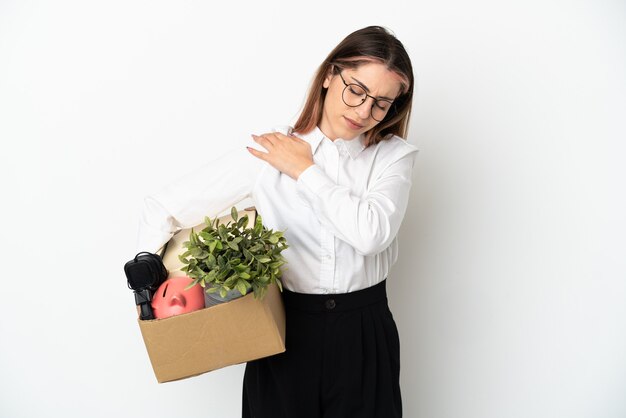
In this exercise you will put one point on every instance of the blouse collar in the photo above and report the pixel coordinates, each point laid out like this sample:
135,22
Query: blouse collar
353,146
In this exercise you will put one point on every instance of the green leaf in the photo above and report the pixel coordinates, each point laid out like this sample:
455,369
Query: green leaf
233,213
203,254
221,275
241,286
210,277
193,237
231,279
223,232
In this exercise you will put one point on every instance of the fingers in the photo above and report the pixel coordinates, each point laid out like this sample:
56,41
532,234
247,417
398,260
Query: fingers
276,136
263,140
271,141
258,152
255,152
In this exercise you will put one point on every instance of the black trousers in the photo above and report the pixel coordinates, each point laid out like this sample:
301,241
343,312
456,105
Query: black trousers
342,360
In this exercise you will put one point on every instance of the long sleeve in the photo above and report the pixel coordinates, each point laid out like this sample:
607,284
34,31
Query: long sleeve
368,223
208,190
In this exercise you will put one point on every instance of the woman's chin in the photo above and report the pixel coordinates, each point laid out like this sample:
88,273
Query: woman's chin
344,130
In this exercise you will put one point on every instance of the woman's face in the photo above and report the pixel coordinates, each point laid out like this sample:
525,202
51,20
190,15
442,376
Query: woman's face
342,121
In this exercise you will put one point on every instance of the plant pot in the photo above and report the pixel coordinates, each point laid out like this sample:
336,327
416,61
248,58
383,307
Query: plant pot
212,299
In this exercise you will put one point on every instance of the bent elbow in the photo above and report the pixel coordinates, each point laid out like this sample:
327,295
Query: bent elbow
156,226
376,241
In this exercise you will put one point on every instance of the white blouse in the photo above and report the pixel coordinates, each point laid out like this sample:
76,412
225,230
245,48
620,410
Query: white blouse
341,217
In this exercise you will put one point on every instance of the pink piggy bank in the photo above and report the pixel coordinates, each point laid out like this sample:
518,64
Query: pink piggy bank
171,298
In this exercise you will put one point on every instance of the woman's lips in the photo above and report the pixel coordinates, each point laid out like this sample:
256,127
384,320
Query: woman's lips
352,124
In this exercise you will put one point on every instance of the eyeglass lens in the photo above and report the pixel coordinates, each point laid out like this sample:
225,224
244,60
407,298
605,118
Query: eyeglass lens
354,95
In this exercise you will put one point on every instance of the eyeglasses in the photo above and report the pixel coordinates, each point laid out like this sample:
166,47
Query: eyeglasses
354,95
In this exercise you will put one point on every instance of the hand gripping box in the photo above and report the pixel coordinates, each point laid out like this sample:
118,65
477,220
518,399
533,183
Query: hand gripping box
230,333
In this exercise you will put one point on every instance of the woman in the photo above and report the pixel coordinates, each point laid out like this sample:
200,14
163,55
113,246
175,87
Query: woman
338,184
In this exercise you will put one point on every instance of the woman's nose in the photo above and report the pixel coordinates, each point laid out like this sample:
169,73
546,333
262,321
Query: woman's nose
364,109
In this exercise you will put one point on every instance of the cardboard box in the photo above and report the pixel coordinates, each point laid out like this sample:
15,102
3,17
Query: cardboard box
230,333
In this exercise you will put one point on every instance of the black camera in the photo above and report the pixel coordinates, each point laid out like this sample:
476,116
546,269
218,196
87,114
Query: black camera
144,275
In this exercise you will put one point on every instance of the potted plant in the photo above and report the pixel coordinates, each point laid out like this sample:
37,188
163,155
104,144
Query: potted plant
230,260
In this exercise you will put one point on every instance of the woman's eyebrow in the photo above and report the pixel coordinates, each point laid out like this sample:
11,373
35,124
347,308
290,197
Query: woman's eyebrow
368,90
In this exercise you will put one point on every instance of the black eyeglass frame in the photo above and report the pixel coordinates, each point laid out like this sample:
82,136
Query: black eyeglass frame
391,102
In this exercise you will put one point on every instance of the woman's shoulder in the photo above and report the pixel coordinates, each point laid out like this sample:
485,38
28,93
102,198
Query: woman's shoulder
394,144
283,129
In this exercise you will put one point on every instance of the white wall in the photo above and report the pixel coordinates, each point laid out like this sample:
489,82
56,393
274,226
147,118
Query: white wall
510,290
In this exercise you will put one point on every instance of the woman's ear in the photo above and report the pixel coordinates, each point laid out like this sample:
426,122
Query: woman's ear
329,76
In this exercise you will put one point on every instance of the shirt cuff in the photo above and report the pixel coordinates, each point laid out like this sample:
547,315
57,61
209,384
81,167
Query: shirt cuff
314,179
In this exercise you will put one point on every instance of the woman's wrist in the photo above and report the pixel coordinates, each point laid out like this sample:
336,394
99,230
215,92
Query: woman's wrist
302,169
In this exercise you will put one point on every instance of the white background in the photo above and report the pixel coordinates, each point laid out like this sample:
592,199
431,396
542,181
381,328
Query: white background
510,290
